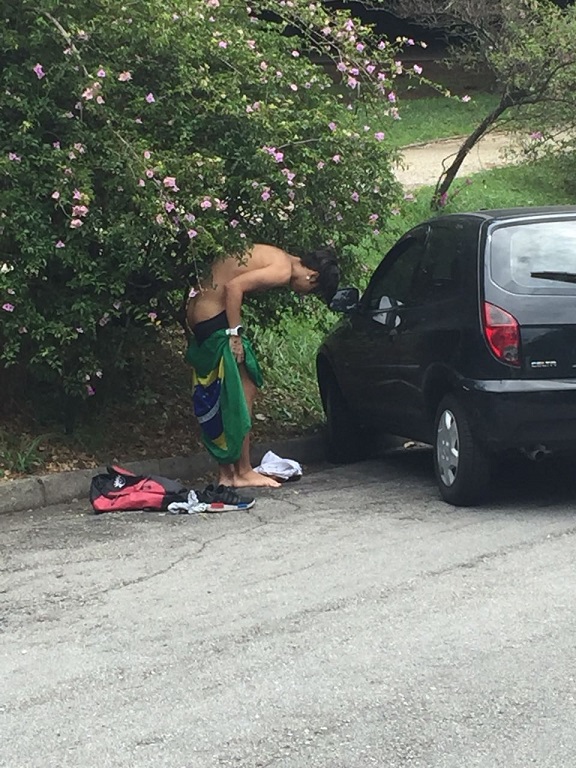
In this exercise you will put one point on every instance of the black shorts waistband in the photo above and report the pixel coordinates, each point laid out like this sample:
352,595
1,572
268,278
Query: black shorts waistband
206,328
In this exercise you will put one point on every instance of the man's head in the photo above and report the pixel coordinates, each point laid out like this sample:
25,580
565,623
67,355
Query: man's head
318,273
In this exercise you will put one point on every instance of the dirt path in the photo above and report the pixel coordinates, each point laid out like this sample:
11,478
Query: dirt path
423,163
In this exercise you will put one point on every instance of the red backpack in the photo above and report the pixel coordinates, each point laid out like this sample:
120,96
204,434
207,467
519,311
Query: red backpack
120,489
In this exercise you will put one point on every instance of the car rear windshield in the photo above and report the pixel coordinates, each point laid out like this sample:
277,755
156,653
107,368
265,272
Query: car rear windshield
518,251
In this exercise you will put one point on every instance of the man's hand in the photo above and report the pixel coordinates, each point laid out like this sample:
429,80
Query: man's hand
237,348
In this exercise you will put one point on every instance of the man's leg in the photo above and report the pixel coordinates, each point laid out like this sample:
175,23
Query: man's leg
226,474
243,472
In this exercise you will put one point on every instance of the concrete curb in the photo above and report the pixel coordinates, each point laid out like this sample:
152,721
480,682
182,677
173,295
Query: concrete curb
64,487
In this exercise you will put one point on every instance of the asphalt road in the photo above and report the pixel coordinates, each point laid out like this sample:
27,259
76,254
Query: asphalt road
349,620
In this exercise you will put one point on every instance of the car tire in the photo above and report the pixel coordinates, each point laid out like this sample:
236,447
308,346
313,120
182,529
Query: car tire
461,463
345,440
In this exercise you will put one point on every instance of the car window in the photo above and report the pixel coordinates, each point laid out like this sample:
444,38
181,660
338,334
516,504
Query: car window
519,250
439,274
391,284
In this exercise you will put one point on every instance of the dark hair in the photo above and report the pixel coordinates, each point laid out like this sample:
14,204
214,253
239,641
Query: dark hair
325,262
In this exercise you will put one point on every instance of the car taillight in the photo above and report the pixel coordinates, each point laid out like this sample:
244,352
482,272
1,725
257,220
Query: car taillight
502,334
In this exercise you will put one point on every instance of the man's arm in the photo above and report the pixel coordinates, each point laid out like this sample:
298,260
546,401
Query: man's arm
272,276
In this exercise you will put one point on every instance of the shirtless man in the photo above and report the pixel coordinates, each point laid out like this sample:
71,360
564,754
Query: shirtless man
218,305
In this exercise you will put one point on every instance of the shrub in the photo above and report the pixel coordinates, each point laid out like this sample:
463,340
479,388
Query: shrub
139,141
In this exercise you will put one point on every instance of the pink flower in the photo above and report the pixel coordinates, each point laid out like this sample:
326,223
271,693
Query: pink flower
212,3
101,73
373,218
150,98
278,156
8,307
360,47
80,148
536,136
192,234
251,44
417,69
380,136
90,389
370,68
341,67
99,100
147,154
355,196
39,72
79,210
234,223
352,82
466,98
149,173
14,157
222,44
79,330
76,196
169,207
263,66
320,164
296,54
265,194
104,319
170,183
60,244
293,87
124,77
141,183
56,144
152,316
392,97
332,126
206,203
336,158
22,329
76,223
159,219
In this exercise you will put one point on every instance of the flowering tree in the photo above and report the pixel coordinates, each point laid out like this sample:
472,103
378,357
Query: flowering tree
528,46
139,141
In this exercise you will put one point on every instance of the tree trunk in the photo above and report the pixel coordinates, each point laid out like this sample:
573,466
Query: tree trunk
446,179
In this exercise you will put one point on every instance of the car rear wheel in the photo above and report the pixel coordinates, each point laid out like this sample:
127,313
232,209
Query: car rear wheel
346,441
461,463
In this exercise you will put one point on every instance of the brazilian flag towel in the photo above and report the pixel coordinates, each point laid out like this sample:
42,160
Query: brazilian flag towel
218,396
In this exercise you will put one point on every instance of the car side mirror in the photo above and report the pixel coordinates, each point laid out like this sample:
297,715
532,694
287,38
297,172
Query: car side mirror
345,300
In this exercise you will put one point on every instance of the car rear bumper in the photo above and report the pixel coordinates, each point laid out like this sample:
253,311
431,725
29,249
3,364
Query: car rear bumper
518,414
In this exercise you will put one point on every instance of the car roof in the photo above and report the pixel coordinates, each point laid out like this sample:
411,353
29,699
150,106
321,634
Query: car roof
507,214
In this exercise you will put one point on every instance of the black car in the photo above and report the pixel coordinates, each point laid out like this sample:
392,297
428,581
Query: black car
465,338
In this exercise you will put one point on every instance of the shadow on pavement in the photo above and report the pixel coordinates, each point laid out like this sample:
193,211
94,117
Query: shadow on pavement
515,479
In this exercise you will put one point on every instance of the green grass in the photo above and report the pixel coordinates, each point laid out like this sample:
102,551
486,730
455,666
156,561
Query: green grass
431,118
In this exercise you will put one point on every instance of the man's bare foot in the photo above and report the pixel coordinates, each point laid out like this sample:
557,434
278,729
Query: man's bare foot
256,480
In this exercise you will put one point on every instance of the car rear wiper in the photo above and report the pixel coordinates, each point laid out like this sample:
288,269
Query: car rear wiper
562,277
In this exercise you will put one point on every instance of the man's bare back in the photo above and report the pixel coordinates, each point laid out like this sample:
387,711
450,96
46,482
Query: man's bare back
263,267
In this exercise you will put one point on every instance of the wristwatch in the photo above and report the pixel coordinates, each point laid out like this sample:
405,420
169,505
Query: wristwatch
237,331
